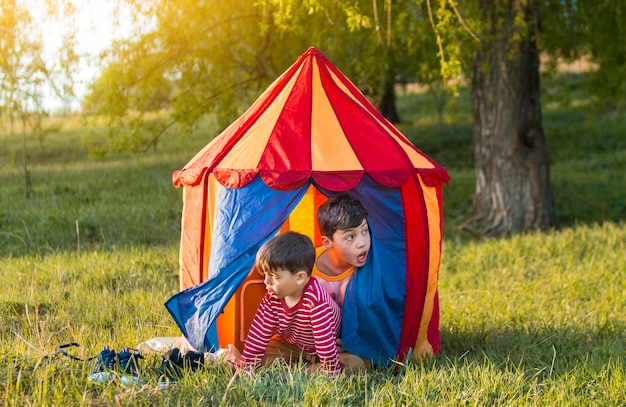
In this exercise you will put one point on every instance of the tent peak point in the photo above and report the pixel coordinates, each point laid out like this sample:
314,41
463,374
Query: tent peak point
313,51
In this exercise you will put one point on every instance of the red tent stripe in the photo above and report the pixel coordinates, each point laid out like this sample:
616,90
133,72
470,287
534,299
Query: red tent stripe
358,95
433,336
366,112
289,146
417,262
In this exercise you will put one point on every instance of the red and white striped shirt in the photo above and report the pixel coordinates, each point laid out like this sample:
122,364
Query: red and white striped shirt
312,325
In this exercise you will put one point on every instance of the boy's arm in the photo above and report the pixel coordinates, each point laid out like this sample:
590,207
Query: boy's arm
322,325
259,335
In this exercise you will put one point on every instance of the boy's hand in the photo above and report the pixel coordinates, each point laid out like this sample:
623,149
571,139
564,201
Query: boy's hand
232,354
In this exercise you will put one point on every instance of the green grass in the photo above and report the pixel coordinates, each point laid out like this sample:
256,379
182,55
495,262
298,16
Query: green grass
534,319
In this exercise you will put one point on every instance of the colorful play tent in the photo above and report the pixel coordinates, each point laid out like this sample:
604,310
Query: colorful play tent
310,135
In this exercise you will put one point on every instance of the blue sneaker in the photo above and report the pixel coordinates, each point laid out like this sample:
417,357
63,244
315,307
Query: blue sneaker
106,363
105,360
129,361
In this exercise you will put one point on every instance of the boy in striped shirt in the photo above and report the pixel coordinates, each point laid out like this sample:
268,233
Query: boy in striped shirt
296,317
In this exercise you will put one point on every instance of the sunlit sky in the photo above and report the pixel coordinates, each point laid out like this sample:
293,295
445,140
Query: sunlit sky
95,33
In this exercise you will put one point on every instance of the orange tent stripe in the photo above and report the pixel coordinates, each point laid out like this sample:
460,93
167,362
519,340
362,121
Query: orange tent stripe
331,150
377,152
431,199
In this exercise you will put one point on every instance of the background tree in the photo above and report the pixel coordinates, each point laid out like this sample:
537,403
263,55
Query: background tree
513,191
195,59
27,76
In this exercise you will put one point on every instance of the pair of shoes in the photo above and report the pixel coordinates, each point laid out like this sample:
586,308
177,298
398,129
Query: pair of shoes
174,363
109,364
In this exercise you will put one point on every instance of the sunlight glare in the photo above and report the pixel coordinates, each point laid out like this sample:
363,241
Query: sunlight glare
96,30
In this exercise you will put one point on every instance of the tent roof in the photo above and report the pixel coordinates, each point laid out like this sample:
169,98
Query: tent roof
311,122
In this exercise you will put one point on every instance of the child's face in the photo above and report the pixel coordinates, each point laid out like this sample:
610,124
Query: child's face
282,283
352,245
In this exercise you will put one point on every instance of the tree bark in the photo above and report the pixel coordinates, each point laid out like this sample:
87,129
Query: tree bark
513,192
387,104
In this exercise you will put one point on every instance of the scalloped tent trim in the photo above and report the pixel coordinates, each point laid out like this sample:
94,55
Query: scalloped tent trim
312,122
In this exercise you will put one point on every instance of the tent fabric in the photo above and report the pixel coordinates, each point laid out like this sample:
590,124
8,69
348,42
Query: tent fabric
310,135
312,104
195,309
375,296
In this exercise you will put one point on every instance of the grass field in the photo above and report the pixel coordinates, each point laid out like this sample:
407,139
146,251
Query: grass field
535,319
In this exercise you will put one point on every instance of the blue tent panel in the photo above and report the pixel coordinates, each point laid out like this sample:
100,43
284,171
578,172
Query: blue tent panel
247,217
374,303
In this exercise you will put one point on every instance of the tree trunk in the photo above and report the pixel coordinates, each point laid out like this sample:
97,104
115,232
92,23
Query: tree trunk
513,192
387,104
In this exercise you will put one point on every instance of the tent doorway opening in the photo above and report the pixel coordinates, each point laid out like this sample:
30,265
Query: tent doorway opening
234,322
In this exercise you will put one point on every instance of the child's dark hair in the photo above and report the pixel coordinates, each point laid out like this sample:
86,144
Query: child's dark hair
291,251
340,212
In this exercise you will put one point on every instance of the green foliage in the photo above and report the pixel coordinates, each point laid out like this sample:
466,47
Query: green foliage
371,42
29,71
194,58
587,28
191,60
198,58
535,319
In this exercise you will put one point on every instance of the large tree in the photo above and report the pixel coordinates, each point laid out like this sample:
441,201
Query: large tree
513,191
